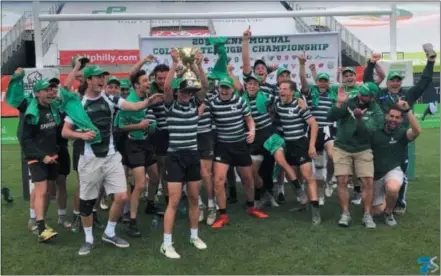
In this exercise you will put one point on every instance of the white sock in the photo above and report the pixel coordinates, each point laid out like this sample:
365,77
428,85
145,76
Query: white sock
193,233
211,203
126,208
185,189
201,203
62,212
110,229
88,233
32,213
167,240
76,212
94,210
281,188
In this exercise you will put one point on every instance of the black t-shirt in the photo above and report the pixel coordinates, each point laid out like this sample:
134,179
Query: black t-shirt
62,142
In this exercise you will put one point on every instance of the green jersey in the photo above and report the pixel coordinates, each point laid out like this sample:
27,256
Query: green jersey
389,149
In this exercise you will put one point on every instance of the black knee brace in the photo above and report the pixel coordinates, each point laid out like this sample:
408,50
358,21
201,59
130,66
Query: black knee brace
86,207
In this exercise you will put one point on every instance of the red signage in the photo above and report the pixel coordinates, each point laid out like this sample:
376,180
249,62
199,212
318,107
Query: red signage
197,32
102,57
7,111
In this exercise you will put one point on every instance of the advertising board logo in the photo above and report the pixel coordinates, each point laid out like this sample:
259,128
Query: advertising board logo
111,9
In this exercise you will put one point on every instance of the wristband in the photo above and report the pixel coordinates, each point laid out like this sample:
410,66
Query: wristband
406,111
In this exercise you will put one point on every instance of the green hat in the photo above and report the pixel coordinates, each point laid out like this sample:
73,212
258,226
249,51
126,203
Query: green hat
94,70
124,83
227,81
41,85
322,76
252,76
368,89
348,69
282,70
84,61
113,79
393,75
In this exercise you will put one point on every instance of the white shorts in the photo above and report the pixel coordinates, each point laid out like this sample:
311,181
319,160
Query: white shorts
94,172
380,185
319,168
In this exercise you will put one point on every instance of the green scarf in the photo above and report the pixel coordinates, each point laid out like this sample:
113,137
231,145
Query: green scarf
261,100
124,118
315,95
220,67
33,113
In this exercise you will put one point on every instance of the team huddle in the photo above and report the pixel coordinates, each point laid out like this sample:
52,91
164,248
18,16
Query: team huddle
179,127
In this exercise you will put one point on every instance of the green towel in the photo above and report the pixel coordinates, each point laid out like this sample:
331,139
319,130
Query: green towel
261,101
315,95
70,103
124,118
272,144
220,68
33,114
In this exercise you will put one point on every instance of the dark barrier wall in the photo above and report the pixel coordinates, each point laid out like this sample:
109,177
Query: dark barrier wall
24,57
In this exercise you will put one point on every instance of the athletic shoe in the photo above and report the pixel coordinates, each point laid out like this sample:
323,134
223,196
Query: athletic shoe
115,240
96,221
301,196
329,189
76,224
281,198
198,243
85,249
133,230
273,201
262,203
47,235
49,228
211,216
356,198
345,219
103,203
316,218
64,222
169,252
221,221
389,219
201,213
368,221
256,213
399,210
32,226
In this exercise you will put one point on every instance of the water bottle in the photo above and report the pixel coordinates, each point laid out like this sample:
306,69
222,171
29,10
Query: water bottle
155,221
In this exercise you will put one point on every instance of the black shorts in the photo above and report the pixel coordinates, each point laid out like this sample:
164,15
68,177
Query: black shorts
205,145
324,136
41,171
183,166
120,144
160,142
64,161
235,154
140,153
262,135
297,152
78,146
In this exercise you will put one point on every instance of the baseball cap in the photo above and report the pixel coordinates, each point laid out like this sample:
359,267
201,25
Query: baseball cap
348,69
113,79
368,89
41,85
227,81
124,83
252,76
393,75
188,85
282,70
322,76
94,70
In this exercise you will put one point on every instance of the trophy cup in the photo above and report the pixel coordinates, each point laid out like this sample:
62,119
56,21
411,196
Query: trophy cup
187,56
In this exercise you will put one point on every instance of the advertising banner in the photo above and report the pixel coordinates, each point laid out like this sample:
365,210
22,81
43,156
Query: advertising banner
9,131
322,49
101,57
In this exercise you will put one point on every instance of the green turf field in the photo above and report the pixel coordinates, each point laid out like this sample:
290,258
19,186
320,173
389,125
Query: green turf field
286,243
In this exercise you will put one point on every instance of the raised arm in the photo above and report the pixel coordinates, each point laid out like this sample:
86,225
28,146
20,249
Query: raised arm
69,81
168,91
415,130
302,74
416,91
313,71
140,63
201,75
236,82
381,75
246,51
368,74
15,92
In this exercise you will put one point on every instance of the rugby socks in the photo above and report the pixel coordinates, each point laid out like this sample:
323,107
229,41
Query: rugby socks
126,208
167,240
110,229
211,203
281,189
201,203
250,204
315,203
223,211
62,213
76,213
296,184
193,233
32,214
41,226
88,234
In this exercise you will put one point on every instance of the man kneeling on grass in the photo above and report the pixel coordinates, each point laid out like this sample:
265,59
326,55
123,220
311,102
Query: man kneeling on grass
389,145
